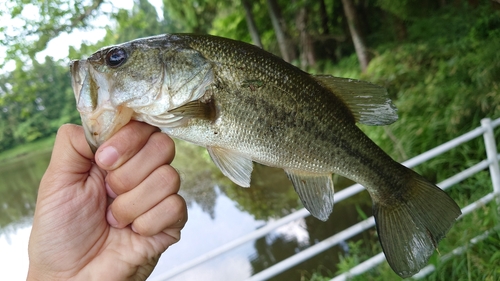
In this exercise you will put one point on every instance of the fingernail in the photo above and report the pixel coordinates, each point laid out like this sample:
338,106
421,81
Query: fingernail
133,228
108,156
110,192
111,219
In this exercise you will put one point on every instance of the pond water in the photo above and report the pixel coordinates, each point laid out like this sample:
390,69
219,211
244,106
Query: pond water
219,212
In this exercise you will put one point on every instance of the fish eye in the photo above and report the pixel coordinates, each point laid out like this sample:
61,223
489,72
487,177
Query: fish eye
116,57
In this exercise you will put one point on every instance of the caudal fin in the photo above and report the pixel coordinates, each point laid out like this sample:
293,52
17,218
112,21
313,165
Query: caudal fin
409,228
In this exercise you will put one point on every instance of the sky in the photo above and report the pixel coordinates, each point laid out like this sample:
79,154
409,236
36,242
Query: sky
58,47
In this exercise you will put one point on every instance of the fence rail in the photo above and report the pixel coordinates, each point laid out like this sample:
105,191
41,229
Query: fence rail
491,162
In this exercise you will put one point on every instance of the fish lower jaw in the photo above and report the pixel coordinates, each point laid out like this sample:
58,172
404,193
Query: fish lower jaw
102,124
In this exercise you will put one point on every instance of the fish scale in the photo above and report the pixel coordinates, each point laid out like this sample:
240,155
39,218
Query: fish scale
244,105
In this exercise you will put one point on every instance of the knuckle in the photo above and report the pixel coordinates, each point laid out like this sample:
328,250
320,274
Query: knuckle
67,129
171,177
142,228
119,182
160,142
122,212
130,138
178,210
131,131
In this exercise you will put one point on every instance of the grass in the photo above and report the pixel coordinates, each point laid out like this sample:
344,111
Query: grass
24,150
479,261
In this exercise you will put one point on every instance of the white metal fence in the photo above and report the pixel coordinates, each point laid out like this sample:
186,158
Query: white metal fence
491,162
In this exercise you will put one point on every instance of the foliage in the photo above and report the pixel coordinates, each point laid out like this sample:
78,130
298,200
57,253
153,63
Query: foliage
37,98
478,261
443,85
35,103
42,145
443,75
193,16
37,22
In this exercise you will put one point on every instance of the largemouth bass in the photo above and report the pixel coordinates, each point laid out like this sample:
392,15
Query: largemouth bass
246,105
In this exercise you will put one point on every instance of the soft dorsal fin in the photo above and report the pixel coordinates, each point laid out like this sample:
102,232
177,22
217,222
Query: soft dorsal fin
315,191
369,103
234,166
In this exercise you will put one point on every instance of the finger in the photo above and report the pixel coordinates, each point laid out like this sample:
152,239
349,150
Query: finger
169,216
163,182
123,145
71,156
158,150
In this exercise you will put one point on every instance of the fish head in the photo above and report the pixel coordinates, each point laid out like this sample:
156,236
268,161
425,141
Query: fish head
136,80
107,83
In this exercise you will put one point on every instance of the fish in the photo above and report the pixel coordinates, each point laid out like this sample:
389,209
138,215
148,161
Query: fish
246,105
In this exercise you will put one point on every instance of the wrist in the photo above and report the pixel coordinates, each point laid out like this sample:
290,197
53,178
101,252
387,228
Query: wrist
38,275
35,274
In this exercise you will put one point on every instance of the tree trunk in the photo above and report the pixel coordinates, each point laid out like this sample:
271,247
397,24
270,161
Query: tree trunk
307,57
473,3
252,27
287,51
400,28
356,34
324,17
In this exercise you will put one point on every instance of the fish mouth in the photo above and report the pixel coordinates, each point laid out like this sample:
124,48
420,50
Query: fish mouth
101,124
100,118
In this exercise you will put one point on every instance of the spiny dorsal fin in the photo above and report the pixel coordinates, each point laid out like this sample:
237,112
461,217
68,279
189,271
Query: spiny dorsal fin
369,103
315,191
234,166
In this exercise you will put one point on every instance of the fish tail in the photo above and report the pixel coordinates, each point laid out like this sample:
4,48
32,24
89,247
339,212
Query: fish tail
411,224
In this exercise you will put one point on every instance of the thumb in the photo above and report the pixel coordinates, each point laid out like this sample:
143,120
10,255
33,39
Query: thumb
71,159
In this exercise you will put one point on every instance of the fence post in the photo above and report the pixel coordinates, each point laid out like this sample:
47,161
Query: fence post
491,153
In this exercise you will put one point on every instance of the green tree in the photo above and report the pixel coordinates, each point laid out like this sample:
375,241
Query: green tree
35,102
40,21
280,29
193,16
141,21
252,27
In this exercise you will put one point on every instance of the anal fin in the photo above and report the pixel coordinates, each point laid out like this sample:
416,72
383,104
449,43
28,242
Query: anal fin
234,166
315,191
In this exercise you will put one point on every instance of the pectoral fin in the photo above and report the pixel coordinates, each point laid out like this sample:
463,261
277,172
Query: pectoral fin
196,109
234,166
315,191
181,115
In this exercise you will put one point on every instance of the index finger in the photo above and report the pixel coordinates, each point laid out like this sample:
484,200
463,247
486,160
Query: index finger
123,145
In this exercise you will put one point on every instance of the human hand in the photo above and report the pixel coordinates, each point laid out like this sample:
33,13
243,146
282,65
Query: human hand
108,219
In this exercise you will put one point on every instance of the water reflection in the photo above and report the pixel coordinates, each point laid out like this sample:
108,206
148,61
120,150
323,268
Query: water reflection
18,188
283,244
271,194
219,212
